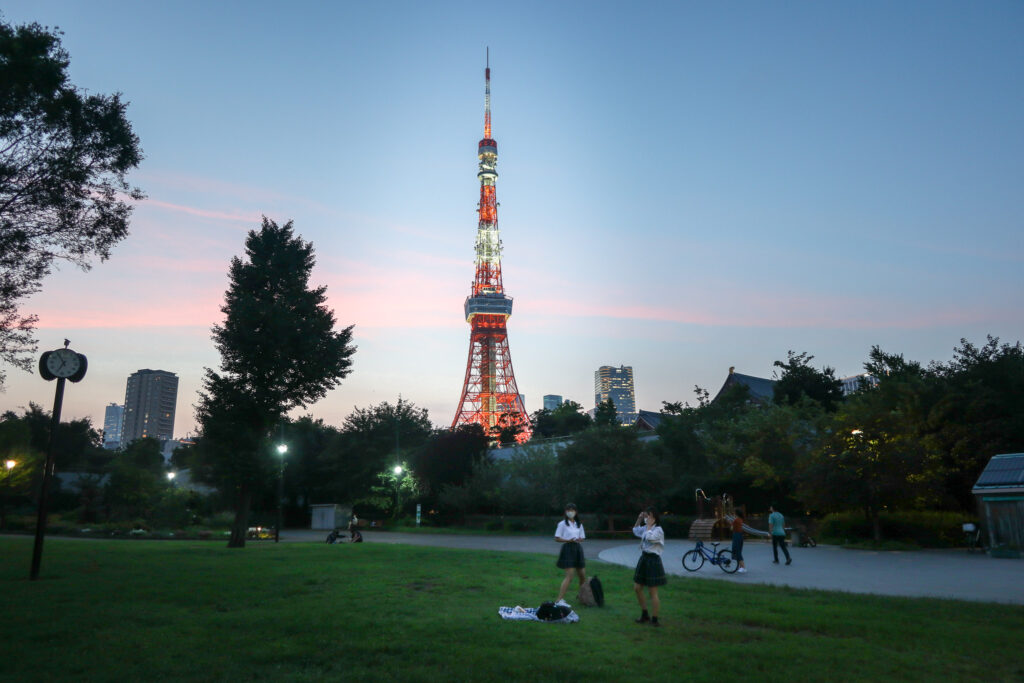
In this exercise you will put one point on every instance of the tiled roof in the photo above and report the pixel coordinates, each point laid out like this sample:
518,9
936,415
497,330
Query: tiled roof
761,389
648,420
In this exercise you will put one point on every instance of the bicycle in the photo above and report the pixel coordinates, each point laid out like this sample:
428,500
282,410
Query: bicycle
694,559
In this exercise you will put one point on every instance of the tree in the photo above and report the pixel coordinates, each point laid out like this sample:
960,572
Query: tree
77,445
979,411
137,479
608,469
875,455
64,155
377,438
392,489
799,379
509,428
449,456
606,415
279,351
568,418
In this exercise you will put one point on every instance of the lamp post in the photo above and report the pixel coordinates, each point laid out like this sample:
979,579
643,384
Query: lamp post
398,481
170,477
10,465
281,450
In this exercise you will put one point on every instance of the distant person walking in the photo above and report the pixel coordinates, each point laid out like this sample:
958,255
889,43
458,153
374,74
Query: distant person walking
570,534
777,527
737,541
650,572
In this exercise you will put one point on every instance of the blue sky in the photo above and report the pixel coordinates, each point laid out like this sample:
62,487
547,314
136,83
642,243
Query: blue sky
683,187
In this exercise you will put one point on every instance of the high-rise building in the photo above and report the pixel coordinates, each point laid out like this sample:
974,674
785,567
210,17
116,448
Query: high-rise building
113,416
552,401
149,402
616,384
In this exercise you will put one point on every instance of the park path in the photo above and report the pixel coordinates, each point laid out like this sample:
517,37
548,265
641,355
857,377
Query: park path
954,574
924,573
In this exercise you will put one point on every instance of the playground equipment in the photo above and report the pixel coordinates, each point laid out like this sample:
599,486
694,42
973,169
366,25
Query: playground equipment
715,516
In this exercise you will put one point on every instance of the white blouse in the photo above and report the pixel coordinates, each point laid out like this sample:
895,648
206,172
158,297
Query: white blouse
570,532
651,540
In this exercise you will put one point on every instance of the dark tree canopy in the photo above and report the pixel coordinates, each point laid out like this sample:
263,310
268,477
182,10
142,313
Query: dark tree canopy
568,418
64,155
449,456
606,415
799,379
279,350
377,438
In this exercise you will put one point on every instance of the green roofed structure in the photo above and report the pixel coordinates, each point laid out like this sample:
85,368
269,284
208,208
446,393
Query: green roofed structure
1000,494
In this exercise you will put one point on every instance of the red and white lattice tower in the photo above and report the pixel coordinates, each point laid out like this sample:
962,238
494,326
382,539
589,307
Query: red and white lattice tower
489,394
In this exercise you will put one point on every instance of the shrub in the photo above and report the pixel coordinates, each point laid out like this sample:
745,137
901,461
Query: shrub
929,529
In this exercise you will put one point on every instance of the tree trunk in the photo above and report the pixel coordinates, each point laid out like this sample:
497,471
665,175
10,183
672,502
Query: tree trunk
240,528
876,526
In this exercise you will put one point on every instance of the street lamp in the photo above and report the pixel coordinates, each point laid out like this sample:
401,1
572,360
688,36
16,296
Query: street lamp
282,448
10,465
171,476
398,481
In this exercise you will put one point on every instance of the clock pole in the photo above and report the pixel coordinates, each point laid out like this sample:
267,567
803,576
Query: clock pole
37,549
61,365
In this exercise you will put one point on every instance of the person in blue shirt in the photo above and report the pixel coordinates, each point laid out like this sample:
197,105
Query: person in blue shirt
777,527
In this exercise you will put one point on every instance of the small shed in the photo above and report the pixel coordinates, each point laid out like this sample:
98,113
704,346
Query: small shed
329,516
1000,494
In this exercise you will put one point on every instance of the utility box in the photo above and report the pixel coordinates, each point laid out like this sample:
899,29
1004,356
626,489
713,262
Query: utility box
330,516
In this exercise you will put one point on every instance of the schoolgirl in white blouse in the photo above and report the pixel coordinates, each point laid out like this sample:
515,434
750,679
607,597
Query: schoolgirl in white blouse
650,572
570,534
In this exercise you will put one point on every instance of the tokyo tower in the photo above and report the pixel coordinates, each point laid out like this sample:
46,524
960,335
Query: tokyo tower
490,397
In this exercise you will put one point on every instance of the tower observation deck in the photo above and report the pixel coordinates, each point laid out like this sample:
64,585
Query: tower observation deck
490,397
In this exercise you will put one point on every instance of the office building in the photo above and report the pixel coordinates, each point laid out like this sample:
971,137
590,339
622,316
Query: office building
149,402
112,419
855,382
616,384
552,401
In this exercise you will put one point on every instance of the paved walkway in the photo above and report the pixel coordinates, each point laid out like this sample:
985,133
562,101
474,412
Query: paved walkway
924,573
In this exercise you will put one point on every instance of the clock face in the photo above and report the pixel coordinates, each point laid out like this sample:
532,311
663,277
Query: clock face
63,363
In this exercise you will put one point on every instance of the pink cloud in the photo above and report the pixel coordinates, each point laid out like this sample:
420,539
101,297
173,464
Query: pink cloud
781,310
249,217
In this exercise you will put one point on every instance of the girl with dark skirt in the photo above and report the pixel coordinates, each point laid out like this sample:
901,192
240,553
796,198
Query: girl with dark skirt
650,572
570,534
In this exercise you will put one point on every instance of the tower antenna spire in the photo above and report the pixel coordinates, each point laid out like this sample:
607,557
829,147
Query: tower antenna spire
487,96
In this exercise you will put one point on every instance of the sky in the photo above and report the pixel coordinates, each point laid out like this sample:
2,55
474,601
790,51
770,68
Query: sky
683,187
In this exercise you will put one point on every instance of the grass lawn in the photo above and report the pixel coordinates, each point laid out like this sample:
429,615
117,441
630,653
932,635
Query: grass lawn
146,611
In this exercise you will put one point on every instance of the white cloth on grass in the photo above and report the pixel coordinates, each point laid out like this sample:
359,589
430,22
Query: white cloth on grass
518,613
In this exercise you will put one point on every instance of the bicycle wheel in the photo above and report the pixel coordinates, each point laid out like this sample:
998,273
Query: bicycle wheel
811,542
725,561
693,560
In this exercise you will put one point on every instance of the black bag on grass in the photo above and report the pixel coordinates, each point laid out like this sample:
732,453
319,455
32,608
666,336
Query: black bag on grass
597,589
549,611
